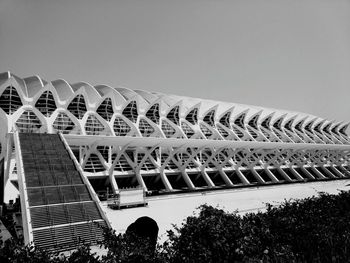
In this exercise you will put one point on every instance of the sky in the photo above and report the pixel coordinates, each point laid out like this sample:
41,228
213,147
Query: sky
285,54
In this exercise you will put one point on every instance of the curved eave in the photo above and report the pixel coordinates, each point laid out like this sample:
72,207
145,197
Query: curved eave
34,84
91,92
63,89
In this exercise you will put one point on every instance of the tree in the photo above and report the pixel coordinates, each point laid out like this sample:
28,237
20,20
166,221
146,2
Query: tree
212,236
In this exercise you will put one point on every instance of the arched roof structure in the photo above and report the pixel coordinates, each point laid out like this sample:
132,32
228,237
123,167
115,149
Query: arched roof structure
79,109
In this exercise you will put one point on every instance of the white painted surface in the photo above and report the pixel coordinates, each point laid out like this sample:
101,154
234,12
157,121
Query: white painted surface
173,209
10,192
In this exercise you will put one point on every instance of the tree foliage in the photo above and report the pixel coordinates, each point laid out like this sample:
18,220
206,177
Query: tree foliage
315,229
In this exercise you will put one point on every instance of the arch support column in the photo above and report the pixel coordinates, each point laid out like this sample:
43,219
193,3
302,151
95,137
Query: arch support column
225,177
140,179
165,181
207,178
187,180
242,177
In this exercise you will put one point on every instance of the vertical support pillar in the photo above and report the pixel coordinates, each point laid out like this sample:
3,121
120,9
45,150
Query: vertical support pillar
319,174
284,174
140,179
296,173
206,177
257,176
271,175
165,181
307,172
329,173
336,171
187,179
242,177
114,184
225,177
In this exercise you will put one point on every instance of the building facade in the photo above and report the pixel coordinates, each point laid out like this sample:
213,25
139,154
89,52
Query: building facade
125,138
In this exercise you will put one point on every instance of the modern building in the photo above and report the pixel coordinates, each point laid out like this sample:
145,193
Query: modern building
109,139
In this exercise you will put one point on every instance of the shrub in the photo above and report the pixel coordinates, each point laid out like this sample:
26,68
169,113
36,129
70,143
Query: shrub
315,229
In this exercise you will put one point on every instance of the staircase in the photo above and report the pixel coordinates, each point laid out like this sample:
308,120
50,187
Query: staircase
60,209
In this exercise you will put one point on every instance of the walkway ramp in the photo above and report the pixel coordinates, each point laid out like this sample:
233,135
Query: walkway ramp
59,207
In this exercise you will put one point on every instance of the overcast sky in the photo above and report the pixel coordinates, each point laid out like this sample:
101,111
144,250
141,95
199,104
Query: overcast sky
276,53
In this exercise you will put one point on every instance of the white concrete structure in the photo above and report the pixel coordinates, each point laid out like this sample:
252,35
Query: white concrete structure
125,138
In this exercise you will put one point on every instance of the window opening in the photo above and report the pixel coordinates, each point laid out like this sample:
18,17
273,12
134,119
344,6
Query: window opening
192,116
277,124
106,109
63,123
130,111
120,127
326,128
28,122
237,132
183,158
209,118
187,130
93,164
223,132
205,130
77,107
153,113
308,127
253,122
343,130
288,125
170,165
10,100
147,165
93,126
168,130
46,104
252,132
122,165
145,128
173,115
266,123
225,120
239,121
298,126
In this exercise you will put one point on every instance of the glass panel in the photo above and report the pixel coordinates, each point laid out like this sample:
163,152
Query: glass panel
192,116
173,115
205,130
77,107
28,122
93,126
63,123
209,118
130,111
46,104
167,129
121,128
153,113
225,120
10,100
93,164
187,130
145,128
106,109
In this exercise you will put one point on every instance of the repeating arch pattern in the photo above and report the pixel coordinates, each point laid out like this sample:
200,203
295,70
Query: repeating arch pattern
34,105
